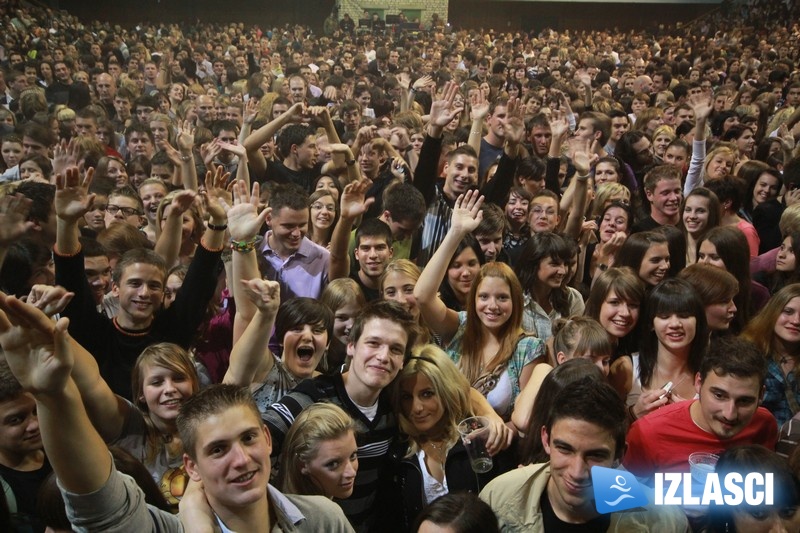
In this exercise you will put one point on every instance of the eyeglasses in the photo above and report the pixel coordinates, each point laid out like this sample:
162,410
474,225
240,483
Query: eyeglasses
326,207
127,211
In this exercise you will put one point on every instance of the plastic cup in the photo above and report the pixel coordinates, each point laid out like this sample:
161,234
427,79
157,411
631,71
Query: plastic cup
701,464
474,434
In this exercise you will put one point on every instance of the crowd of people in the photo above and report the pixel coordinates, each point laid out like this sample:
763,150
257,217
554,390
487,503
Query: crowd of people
255,279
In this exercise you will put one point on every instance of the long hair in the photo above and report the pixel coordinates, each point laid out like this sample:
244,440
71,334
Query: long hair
316,195
632,252
761,329
531,449
540,247
169,356
733,250
449,384
672,296
475,335
779,279
446,292
714,209
579,335
316,424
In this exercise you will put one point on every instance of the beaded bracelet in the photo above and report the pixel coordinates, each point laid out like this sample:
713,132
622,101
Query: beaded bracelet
243,246
215,227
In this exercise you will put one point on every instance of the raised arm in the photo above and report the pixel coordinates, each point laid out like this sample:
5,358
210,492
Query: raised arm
479,108
185,141
353,204
702,107
251,356
267,131
467,215
72,201
583,158
43,364
169,240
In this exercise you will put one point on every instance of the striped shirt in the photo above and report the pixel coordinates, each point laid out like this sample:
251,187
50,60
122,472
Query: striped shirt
373,437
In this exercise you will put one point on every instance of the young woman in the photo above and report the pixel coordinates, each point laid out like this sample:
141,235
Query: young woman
542,271
726,247
517,229
322,216
152,191
192,225
431,397
487,340
716,289
462,269
607,170
345,300
647,253
320,455
578,337
743,137
303,327
615,301
457,513
112,168
607,193
614,226
700,212
397,283
35,167
764,184
671,348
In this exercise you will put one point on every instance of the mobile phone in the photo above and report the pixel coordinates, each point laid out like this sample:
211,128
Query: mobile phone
667,389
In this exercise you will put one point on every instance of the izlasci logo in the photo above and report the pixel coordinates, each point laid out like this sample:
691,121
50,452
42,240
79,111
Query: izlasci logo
616,490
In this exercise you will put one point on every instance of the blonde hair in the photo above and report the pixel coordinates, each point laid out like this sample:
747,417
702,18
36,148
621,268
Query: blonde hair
407,268
316,424
449,384
607,191
164,355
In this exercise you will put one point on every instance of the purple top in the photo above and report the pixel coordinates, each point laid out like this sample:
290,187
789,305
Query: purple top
304,273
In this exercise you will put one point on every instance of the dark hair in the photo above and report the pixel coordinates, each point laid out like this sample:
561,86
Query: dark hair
750,172
290,196
593,401
293,134
23,258
446,292
386,310
676,244
728,188
374,227
404,202
138,255
538,248
734,356
633,250
531,450
743,460
462,512
41,196
300,311
671,296
733,249
10,387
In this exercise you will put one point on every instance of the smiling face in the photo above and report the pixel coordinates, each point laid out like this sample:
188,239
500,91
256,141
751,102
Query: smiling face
551,272
695,214
462,271
377,355
164,391
727,403
303,347
517,210
655,264
343,321
493,303
719,166
574,446
787,327
323,211
399,287
543,214
766,188
289,227
461,174
421,404
140,292
614,219
19,425
333,469
665,199
231,459
675,332
618,316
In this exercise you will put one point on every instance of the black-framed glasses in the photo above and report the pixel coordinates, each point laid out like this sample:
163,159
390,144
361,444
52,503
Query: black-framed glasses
126,211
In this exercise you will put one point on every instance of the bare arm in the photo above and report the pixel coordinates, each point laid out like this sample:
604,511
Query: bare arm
72,201
168,244
467,215
479,109
353,205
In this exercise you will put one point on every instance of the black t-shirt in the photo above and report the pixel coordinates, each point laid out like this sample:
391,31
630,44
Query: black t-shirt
279,173
553,524
25,486
370,294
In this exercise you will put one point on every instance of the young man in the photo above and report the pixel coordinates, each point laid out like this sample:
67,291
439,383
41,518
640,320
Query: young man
289,257
373,252
461,172
138,280
23,465
492,142
662,188
730,384
586,428
226,448
125,205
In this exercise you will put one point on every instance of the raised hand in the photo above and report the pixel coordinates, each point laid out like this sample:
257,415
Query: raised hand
250,111
50,299
701,105
443,110
37,350
65,155
354,202
422,82
559,126
265,294
181,202
72,199
479,106
244,220
185,137
399,169
467,213
214,197
14,221
234,148
583,158
209,151
514,130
